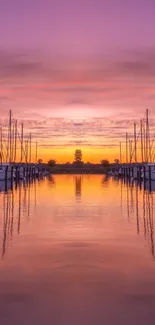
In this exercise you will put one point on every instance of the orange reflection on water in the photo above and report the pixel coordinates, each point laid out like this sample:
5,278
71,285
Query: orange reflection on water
76,247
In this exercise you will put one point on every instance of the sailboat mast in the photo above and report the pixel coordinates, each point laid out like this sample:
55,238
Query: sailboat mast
10,136
141,135
120,146
26,151
135,142
36,158
15,141
30,148
127,148
1,135
21,144
12,142
147,134
130,151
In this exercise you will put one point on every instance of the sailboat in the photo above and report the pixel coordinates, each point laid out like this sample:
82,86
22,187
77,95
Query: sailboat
5,171
150,166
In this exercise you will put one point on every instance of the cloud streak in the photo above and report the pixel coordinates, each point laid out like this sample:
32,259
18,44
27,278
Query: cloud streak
90,107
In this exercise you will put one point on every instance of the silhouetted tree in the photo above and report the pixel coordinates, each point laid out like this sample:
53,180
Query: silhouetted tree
116,161
40,161
52,162
105,163
67,163
78,156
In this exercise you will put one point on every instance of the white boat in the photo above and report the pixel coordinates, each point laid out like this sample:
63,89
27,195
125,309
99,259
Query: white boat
21,172
3,174
120,172
137,172
151,167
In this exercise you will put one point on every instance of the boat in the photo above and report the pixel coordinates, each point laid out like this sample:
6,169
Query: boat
5,171
151,167
137,172
21,172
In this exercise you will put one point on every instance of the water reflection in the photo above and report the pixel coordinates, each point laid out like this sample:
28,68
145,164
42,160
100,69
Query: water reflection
5,186
140,204
77,250
15,203
78,187
105,180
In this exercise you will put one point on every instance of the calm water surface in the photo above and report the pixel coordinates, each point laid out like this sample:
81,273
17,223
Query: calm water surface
77,250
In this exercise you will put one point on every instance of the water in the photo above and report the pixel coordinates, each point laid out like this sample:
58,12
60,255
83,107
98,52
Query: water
77,250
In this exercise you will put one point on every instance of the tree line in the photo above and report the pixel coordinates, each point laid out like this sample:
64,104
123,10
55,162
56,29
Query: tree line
78,161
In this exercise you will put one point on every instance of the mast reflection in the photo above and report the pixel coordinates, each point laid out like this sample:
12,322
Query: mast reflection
16,203
140,206
78,187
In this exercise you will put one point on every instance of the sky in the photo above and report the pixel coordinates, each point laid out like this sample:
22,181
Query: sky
77,73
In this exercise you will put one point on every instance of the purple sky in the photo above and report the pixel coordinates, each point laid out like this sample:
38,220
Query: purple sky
76,28
77,59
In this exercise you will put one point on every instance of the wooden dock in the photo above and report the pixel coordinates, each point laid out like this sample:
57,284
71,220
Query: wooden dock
141,171
14,173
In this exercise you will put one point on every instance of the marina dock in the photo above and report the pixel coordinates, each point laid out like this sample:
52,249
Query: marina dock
16,159
137,153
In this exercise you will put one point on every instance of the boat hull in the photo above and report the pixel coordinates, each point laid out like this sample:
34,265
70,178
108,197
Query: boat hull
152,175
3,175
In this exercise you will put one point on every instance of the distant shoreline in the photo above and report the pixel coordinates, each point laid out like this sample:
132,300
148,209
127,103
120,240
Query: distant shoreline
79,170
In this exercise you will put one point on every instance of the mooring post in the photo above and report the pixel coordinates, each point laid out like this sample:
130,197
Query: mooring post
6,173
129,172
140,173
6,177
27,172
144,173
150,178
18,173
12,170
132,172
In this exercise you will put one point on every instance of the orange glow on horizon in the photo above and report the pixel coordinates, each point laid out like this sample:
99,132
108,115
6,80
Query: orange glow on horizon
93,155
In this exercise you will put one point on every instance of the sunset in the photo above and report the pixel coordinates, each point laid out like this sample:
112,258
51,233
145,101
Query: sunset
75,71
77,162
